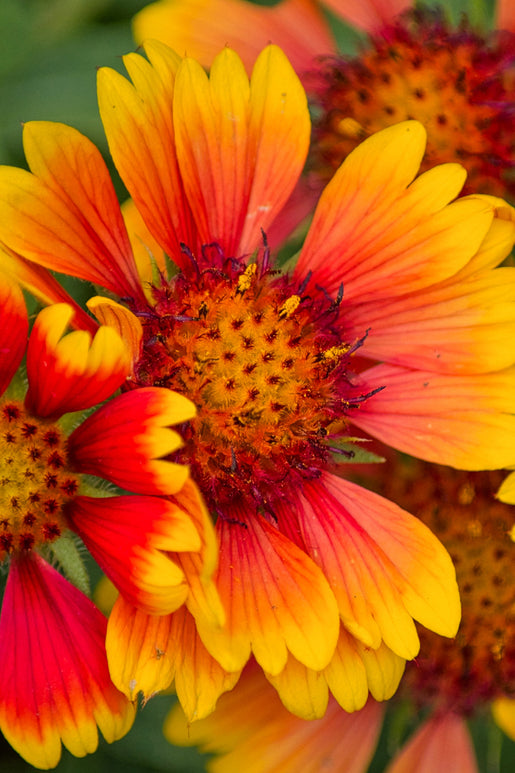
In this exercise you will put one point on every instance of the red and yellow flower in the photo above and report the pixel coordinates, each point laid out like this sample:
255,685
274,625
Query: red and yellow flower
451,681
55,680
394,319
458,82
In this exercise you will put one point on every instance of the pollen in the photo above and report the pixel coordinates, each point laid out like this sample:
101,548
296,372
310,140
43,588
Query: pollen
34,482
455,82
267,370
461,509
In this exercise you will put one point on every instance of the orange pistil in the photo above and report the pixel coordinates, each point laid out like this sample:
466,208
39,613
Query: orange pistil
455,82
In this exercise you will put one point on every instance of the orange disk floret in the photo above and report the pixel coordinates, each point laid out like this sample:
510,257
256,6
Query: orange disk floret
455,82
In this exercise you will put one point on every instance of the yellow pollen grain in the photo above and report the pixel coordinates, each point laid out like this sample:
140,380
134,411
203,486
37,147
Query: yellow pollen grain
334,352
289,306
352,129
245,280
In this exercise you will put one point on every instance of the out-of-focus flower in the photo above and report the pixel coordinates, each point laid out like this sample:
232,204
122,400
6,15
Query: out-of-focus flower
460,83
318,578
53,666
450,682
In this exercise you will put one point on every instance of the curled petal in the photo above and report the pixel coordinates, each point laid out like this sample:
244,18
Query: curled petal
72,372
65,215
55,682
124,322
128,537
125,440
14,328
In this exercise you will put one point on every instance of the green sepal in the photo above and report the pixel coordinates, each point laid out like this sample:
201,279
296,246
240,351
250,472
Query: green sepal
67,553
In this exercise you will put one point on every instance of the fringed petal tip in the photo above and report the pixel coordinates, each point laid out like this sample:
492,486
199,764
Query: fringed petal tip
72,372
126,439
56,687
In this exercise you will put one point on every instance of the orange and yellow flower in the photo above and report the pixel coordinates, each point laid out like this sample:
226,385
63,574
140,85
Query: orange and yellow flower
451,681
394,320
55,680
458,82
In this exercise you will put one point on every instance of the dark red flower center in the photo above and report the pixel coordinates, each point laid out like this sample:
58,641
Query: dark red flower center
459,84
35,483
267,367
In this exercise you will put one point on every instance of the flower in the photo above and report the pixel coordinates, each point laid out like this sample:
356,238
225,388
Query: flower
451,681
55,679
458,82
317,577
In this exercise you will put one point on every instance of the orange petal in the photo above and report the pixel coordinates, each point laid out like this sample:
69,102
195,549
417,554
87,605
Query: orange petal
125,440
384,565
463,421
124,322
381,236
148,254
505,15
138,123
65,216
127,535
14,328
464,325
55,684
276,600
201,28
71,372
241,149
441,743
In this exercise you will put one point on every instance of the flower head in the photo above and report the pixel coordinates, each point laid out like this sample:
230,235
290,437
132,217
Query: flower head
55,680
385,324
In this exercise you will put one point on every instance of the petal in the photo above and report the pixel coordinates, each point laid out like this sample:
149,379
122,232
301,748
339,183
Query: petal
302,691
384,565
123,321
148,254
14,328
252,731
241,148
506,491
380,237
65,216
463,421
126,536
276,600
138,123
465,325
203,27
138,649
369,15
199,678
503,711
441,743
43,286
125,440
71,372
505,15
55,683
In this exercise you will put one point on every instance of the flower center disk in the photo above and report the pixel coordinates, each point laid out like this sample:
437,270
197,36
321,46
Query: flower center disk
266,368
34,481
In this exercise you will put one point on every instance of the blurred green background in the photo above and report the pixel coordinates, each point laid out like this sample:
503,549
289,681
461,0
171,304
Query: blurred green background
49,54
